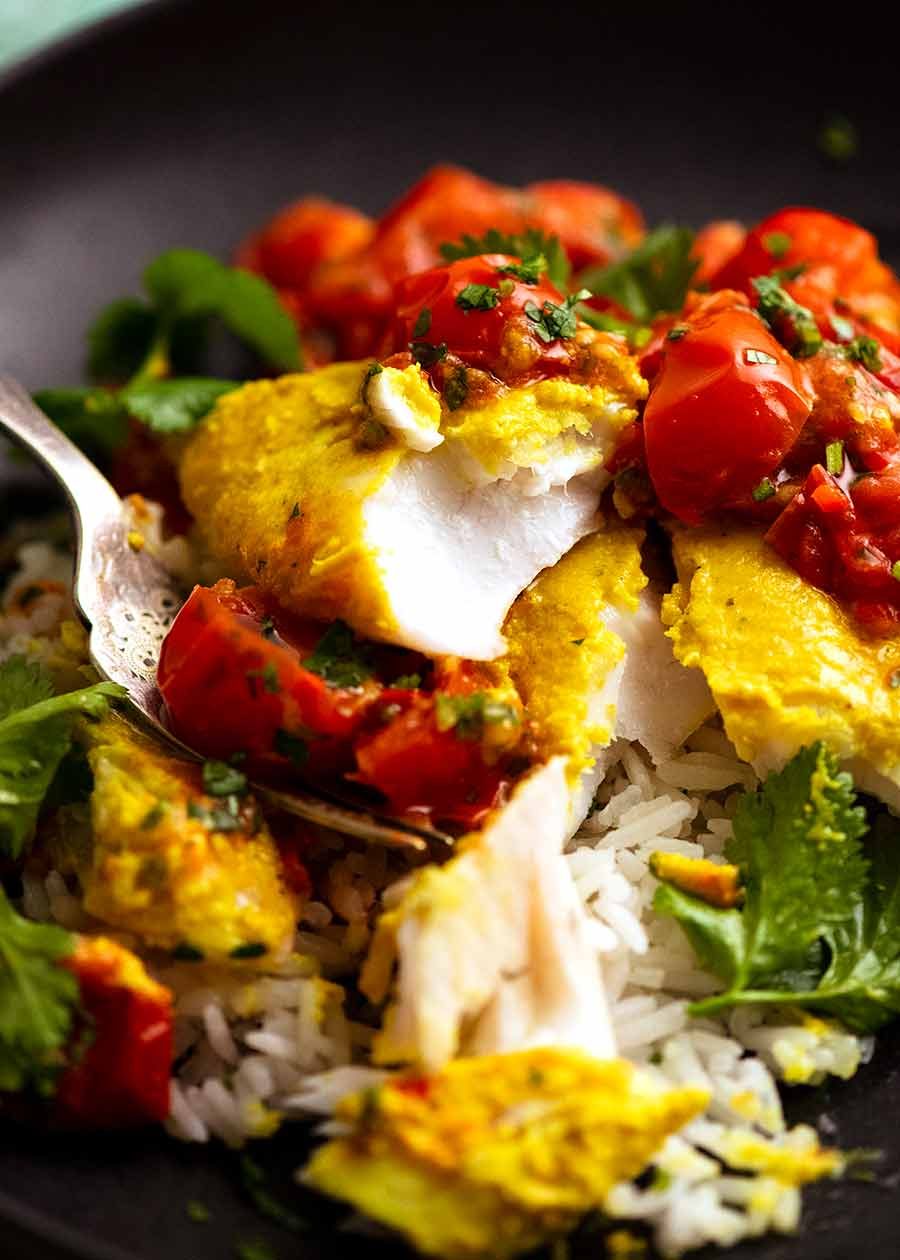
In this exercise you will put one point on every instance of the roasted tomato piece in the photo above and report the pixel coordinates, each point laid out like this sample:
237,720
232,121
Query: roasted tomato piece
301,237
484,314
836,251
233,681
726,406
714,246
593,223
847,542
850,407
419,766
120,1076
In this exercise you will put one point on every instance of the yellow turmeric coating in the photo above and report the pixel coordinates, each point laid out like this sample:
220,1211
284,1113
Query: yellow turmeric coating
157,866
786,664
720,885
497,1154
277,477
560,653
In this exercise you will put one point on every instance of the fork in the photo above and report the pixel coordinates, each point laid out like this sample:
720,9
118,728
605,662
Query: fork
127,602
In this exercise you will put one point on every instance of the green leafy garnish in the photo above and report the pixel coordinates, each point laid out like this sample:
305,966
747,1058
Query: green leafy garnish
528,245
293,747
820,923
35,735
834,458
38,1001
91,416
221,779
529,270
422,324
555,320
653,279
777,243
763,490
426,354
477,297
144,353
794,325
339,659
468,715
174,406
254,1181
864,350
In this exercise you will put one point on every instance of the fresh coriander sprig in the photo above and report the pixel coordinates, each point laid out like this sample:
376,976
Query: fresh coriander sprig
820,923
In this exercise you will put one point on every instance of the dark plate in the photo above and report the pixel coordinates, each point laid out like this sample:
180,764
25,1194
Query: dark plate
184,124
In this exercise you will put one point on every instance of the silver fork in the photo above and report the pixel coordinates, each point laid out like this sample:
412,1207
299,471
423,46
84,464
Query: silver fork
127,601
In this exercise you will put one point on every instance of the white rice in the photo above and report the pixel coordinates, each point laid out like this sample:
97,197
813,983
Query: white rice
255,1048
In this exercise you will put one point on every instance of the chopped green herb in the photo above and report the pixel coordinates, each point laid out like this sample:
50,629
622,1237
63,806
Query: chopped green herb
423,322
838,139
577,642
456,390
253,949
407,682
555,320
265,1202
221,779
225,818
267,628
820,922
793,324
894,680
676,333
185,952
35,735
526,245
468,715
426,354
197,1212
371,435
864,350
506,287
291,746
339,659
777,243
529,270
38,1001
153,816
255,1249
763,491
477,297
834,458
295,512
655,277
374,369
895,570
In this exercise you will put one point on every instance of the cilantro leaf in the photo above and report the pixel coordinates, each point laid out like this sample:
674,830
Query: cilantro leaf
528,245
339,659
555,320
864,350
820,924
529,270
119,340
478,297
174,406
92,418
794,325
187,282
467,715
654,278
38,999
35,735
221,779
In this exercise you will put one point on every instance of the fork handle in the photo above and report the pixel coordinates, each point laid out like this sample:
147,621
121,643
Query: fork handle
93,501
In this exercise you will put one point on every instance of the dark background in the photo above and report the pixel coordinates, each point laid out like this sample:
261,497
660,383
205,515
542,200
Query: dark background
187,123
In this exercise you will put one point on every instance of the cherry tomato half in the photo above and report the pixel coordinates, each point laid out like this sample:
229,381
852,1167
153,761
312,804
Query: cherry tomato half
463,306
727,404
